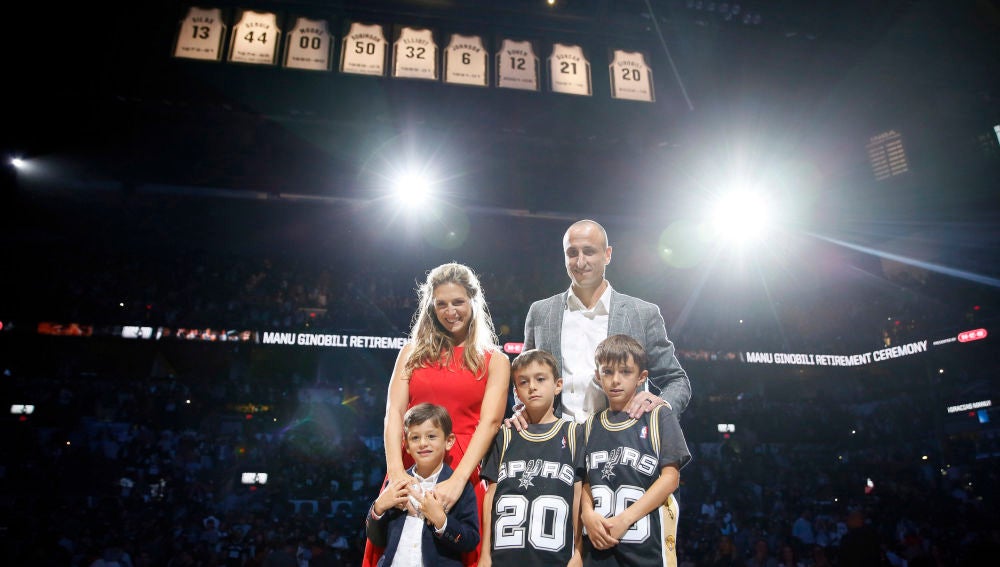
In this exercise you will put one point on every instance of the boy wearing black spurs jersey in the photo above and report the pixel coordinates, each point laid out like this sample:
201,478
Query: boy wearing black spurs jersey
532,505
633,465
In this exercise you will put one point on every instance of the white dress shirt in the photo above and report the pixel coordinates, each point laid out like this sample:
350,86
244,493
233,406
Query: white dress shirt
582,330
408,553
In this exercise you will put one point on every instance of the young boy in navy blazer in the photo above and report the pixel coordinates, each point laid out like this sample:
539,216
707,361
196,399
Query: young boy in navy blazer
407,518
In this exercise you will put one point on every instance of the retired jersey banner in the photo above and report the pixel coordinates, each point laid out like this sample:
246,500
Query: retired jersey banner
255,39
309,46
414,54
200,35
466,61
631,77
363,50
517,65
569,70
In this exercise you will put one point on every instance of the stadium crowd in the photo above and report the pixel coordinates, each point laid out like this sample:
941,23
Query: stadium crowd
135,452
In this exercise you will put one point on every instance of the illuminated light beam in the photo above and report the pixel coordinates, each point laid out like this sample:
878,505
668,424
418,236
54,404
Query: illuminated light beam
673,67
685,313
954,272
294,425
770,304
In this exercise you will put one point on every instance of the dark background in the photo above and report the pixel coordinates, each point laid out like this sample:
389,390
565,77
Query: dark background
163,191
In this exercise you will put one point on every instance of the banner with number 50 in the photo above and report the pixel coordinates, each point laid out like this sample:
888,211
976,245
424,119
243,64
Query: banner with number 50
363,50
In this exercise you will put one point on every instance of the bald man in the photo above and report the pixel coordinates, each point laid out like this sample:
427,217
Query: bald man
571,324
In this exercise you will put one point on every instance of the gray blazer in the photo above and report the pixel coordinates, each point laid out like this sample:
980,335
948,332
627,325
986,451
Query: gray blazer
630,316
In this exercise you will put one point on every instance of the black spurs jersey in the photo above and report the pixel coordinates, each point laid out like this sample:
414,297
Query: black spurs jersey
623,459
534,472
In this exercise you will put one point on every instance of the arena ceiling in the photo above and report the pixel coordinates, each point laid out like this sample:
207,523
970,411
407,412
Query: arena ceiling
787,100
784,82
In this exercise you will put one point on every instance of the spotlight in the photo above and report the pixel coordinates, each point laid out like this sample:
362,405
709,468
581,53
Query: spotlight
740,217
412,187
21,165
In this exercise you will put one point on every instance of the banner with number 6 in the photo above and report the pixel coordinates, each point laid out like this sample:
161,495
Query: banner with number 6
466,61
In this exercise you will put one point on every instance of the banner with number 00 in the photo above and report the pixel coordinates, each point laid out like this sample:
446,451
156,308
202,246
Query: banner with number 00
309,45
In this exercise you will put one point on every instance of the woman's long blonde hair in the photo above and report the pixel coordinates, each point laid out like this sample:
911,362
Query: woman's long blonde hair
432,344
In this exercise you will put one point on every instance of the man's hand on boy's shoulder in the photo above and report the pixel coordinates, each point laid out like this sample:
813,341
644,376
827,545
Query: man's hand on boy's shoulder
644,402
517,420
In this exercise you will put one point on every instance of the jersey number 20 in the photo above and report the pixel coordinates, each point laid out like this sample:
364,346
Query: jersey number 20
547,529
608,504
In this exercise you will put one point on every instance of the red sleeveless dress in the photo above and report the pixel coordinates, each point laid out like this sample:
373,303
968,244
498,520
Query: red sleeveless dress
458,390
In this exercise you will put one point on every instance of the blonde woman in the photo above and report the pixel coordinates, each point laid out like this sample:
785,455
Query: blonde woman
452,360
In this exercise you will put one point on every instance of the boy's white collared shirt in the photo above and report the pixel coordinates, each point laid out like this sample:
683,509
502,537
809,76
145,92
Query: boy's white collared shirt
408,554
